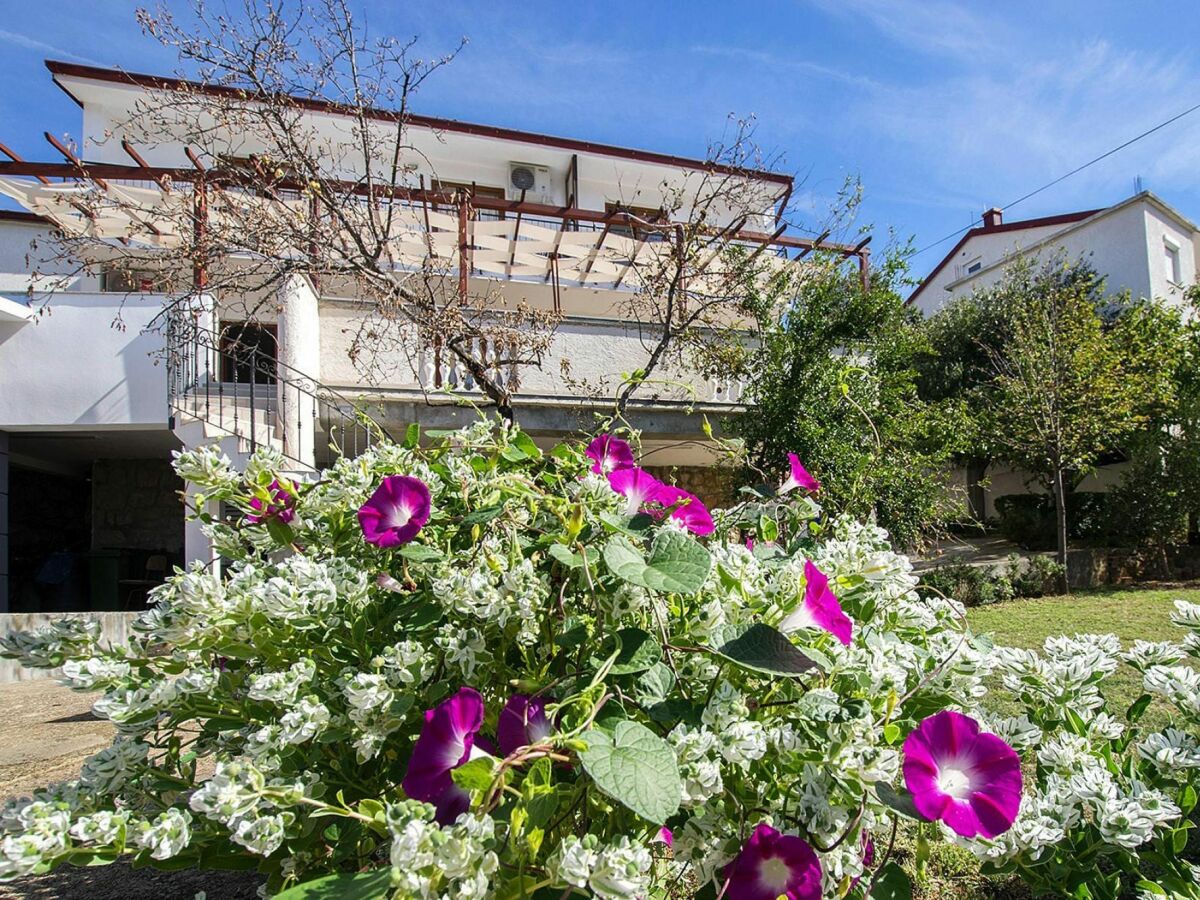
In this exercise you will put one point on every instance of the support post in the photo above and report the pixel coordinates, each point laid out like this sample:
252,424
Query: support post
4,492
200,236
196,544
300,366
463,262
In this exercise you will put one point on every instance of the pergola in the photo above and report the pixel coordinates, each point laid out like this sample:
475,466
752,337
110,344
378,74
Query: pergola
153,209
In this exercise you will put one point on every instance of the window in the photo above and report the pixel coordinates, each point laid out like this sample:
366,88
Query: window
479,190
248,353
120,280
973,266
633,231
1174,275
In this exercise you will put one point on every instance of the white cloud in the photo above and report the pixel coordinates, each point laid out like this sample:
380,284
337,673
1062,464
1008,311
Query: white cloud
28,43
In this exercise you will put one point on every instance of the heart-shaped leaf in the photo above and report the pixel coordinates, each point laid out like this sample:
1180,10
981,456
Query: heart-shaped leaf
760,648
635,767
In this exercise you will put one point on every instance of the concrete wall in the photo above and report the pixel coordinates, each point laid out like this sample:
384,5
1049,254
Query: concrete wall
136,505
75,367
114,627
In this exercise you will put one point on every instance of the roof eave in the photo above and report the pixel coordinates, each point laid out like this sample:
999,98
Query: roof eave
136,79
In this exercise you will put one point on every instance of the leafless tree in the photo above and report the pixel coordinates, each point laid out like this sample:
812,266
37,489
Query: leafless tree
276,191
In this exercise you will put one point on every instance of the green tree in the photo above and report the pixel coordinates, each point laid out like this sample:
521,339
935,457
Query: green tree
834,381
1072,378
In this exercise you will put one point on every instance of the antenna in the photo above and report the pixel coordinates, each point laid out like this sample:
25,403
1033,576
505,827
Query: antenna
1137,184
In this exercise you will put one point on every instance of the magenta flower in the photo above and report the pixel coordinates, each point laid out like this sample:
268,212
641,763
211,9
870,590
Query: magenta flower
820,608
523,722
608,454
396,511
773,865
637,486
665,836
281,507
446,742
970,780
690,513
799,477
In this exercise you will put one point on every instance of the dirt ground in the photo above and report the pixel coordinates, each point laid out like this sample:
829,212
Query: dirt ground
46,731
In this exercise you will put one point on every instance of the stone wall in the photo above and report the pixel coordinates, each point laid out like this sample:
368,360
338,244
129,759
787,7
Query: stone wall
712,484
136,505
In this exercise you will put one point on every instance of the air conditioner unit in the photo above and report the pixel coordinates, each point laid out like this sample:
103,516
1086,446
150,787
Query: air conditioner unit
533,180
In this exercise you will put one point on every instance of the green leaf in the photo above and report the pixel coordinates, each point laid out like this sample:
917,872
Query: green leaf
1188,801
654,685
892,884
899,800
676,564
639,651
412,435
563,554
624,559
479,516
636,767
527,445
1138,708
475,775
237,651
343,886
420,552
760,648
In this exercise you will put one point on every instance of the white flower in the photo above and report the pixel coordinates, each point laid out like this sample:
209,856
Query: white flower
282,687
1144,654
100,828
622,870
1017,731
261,835
1171,750
1186,615
574,860
305,721
106,771
94,673
167,836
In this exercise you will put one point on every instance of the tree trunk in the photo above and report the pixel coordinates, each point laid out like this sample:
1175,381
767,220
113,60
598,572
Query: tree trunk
1060,516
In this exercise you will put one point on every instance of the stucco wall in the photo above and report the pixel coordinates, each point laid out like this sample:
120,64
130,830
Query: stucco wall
73,367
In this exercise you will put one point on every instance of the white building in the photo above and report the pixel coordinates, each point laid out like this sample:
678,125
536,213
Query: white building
1141,245
89,412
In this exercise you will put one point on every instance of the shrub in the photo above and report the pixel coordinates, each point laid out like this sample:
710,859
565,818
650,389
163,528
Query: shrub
979,585
1095,518
482,670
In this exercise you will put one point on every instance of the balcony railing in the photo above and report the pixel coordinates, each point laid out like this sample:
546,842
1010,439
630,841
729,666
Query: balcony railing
243,391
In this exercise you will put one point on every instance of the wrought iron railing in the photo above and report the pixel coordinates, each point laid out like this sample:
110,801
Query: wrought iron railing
243,390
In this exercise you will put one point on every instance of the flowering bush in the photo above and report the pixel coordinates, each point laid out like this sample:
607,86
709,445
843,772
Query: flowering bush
481,670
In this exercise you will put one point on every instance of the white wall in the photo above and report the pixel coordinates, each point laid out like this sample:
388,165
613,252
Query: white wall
72,367
988,248
1124,244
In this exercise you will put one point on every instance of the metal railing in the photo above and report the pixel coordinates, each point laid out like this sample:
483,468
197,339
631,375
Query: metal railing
243,390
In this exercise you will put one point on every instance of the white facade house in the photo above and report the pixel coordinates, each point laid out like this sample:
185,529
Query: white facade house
96,389
1141,245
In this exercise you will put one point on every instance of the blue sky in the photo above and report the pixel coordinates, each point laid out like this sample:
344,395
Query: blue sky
942,108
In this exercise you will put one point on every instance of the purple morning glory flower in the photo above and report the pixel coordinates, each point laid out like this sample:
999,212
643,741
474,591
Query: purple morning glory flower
395,512
522,722
281,507
446,742
637,486
608,454
820,608
665,836
970,780
799,477
690,513
773,865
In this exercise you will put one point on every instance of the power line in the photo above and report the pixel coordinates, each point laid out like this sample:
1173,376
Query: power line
1061,178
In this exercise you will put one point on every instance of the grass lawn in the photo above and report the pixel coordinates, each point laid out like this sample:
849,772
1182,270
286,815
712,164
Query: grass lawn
1129,613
